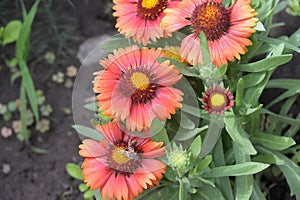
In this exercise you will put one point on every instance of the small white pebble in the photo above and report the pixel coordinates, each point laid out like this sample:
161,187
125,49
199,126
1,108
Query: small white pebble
6,168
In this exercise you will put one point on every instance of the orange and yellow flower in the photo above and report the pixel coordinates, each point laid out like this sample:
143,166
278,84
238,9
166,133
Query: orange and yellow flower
217,100
141,19
227,29
121,165
136,88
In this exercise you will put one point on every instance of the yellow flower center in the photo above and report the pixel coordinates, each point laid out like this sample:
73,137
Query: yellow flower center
140,80
217,100
119,155
212,18
148,4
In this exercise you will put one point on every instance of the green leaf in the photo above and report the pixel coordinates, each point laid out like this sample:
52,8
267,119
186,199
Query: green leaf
275,41
30,90
281,118
22,45
223,183
259,26
199,169
88,194
184,121
273,141
184,187
11,32
207,192
268,159
243,184
97,194
91,106
187,134
239,93
246,168
24,135
238,135
74,171
256,193
251,95
161,136
195,147
88,132
290,170
212,136
185,70
205,50
265,64
287,94
82,187
116,43
283,83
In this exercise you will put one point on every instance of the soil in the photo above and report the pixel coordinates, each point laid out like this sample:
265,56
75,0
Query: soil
35,176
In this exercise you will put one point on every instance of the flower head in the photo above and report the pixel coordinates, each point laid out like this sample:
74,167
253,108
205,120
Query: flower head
136,88
141,19
227,29
216,100
123,165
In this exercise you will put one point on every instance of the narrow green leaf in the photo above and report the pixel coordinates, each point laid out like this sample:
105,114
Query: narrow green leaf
259,26
161,136
283,83
239,93
116,43
273,141
22,45
185,70
184,121
195,147
251,95
287,94
275,41
253,79
88,132
207,192
238,135
187,134
281,118
212,136
30,90
74,171
265,64
290,170
223,183
91,106
184,186
242,169
205,50
97,194
257,193
243,184
268,159
199,169
24,131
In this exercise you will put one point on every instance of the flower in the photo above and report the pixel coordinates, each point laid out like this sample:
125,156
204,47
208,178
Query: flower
123,165
141,19
6,132
71,71
216,100
227,29
135,87
17,126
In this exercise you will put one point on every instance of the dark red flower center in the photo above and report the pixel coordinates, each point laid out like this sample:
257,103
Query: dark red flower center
212,18
124,157
150,9
138,83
